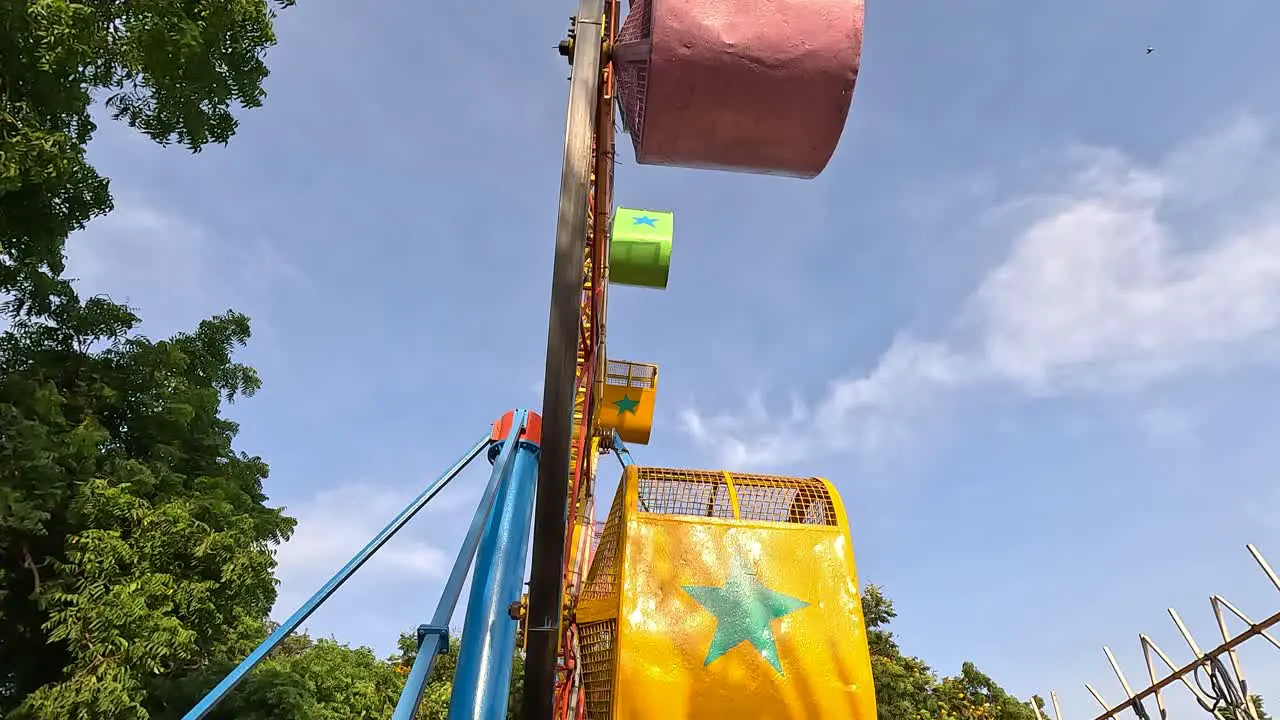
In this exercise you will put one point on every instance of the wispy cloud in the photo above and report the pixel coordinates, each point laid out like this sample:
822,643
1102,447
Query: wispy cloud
175,268
1125,275
143,249
1168,425
335,523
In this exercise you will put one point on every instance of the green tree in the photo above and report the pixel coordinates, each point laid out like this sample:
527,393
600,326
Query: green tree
907,689
1243,714
435,697
972,695
302,679
903,684
174,70
435,702
136,541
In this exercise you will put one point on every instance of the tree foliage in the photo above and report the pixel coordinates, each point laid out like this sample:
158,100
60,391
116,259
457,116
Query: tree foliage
176,71
136,541
1243,714
302,678
435,703
907,689
435,698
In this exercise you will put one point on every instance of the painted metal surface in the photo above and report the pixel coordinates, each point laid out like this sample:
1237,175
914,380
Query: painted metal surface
624,455
546,580
640,248
758,86
481,686
434,637
629,391
697,611
735,620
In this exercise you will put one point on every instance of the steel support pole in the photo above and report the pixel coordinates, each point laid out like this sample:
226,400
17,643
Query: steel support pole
433,639
482,684
560,379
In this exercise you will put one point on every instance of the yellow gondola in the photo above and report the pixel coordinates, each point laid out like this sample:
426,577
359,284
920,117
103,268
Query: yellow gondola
724,595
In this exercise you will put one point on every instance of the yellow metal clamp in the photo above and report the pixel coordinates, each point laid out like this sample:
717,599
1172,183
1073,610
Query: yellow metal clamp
519,611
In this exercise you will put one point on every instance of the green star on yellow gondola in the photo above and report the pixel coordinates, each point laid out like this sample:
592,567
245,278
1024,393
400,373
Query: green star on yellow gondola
744,610
626,405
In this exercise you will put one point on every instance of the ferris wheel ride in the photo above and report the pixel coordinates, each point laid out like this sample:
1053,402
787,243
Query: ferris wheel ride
691,94
705,594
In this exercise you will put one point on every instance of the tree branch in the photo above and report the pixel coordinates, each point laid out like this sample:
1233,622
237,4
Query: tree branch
30,564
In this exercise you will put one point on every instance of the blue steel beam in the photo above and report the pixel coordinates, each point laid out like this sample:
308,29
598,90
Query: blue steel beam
435,637
481,686
233,678
620,449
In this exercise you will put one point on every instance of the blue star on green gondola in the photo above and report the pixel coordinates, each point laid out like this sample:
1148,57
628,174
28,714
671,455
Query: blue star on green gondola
626,405
744,610
644,220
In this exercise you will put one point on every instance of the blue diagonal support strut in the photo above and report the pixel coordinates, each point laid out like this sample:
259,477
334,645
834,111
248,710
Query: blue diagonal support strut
620,449
482,684
436,634
209,701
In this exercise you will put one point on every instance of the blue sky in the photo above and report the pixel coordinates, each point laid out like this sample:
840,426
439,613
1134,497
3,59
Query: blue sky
1028,320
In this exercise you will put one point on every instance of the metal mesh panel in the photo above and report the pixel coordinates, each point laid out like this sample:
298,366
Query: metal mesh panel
597,532
633,80
597,642
621,373
702,493
602,579
803,501
635,26
684,492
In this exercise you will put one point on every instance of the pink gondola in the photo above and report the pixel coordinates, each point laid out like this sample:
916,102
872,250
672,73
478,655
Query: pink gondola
758,86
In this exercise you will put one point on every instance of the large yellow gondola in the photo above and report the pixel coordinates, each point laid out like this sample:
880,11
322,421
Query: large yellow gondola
726,596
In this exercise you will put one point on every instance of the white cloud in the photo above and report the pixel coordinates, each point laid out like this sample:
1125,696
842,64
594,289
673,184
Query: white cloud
140,248
171,267
336,523
1168,425
861,411
1125,276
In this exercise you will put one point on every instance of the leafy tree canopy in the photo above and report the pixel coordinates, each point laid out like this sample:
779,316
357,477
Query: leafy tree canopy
134,540
435,702
135,543
907,689
302,678
174,70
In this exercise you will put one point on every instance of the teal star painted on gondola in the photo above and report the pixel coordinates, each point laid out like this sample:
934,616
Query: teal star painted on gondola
744,610
626,405
644,220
